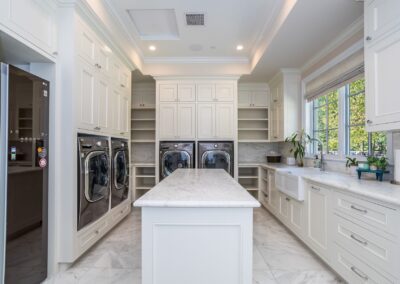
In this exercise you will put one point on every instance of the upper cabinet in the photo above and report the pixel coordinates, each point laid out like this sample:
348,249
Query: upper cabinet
33,21
253,95
382,55
202,110
285,104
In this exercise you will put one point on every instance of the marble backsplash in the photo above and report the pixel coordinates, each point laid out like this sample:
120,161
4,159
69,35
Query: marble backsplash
143,153
255,152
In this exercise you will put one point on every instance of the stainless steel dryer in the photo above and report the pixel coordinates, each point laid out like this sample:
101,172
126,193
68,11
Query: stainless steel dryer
94,178
174,155
120,171
216,155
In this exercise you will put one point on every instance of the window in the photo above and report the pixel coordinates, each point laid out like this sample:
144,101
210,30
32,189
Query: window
338,120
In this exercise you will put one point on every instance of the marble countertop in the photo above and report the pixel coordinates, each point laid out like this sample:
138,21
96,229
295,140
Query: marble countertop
198,188
383,191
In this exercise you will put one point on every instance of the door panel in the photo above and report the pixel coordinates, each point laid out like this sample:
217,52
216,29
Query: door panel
168,121
205,121
187,121
205,92
224,121
260,98
86,95
186,93
168,93
224,92
104,103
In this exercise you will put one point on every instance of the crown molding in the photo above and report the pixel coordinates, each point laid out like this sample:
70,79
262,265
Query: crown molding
196,60
192,78
353,29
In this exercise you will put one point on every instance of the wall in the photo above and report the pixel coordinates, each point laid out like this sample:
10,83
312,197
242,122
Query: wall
255,152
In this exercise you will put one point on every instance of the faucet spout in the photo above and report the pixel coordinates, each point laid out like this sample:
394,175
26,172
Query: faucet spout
321,150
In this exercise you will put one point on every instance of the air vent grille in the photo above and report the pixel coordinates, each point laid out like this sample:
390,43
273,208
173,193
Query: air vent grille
194,19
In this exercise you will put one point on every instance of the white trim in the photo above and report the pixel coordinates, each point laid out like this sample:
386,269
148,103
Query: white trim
193,60
195,78
354,28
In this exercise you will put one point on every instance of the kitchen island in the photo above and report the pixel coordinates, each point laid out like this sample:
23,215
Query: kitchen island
197,228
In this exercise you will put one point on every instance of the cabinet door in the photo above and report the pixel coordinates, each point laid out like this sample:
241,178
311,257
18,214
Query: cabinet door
205,92
297,216
224,121
224,93
115,69
284,210
186,93
124,78
244,98
259,98
149,99
277,122
116,98
206,121
87,44
383,101
124,115
187,121
380,17
168,121
168,93
103,94
87,101
317,218
273,192
103,55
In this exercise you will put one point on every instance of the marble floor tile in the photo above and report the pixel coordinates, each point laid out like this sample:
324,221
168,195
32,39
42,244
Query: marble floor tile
278,256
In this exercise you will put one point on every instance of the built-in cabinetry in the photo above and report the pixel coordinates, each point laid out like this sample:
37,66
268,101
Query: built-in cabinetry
253,113
382,55
103,86
357,236
32,22
144,178
249,179
285,104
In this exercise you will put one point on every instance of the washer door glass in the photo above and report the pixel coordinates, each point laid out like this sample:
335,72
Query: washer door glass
216,159
120,170
96,176
172,160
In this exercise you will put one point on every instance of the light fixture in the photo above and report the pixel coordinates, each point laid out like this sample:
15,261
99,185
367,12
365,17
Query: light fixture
239,47
152,47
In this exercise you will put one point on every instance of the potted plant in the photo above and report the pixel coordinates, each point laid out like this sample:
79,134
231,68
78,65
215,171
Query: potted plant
299,141
352,164
372,161
382,163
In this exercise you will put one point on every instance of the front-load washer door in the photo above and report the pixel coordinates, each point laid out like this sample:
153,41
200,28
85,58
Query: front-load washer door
120,178
172,160
216,159
97,176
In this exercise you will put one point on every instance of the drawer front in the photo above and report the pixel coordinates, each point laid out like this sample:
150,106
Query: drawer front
119,213
368,245
87,239
373,214
354,271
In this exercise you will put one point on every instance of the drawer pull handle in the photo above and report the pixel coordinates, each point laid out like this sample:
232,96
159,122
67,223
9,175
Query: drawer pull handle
358,209
358,240
316,188
359,273
287,199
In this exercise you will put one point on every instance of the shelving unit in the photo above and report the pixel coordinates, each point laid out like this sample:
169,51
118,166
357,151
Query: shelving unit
264,187
143,125
253,124
249,179
144,178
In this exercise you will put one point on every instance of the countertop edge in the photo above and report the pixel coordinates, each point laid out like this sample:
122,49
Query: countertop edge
196,204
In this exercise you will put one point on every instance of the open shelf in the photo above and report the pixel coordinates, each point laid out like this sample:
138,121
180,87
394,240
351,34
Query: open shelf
253,124
145,178
143,141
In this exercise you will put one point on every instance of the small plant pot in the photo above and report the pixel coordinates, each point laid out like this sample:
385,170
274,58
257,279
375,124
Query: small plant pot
373,167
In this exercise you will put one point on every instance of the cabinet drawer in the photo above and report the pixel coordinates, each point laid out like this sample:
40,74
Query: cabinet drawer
367,245
353,270
121,212
373,214
91,235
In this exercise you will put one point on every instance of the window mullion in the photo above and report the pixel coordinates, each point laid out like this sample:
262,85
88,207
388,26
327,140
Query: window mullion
342,127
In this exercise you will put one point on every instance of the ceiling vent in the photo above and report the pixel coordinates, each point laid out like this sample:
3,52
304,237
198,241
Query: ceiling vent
194,19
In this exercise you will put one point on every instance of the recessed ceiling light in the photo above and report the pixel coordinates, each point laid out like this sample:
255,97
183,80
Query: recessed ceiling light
152,47
239,47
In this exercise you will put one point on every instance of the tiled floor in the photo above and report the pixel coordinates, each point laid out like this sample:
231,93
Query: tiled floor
278,256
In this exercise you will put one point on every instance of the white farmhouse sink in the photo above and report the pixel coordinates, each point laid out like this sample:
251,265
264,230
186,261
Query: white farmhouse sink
290,183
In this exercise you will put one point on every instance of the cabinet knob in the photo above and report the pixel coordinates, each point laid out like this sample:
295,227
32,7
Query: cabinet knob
368,38
369,121
287,199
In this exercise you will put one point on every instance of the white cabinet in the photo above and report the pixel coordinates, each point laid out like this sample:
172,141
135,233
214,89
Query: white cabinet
274,194
143,100
382,55
220,92
250,95
177,121
105,101
186,93
205,92
297,218
120,113
285,104
205,120
168,93
214,121
284,207
317,204
34,21
224,92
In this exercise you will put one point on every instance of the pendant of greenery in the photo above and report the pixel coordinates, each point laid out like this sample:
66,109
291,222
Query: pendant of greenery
299,142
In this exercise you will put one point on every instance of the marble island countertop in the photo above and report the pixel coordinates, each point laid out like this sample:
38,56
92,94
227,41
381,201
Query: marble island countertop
198,188
383,191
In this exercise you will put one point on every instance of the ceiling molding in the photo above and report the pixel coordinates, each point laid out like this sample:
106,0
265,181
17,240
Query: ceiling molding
353,29
195,60
206,78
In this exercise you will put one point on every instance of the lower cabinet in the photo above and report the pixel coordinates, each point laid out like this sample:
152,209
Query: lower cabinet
274,194
317,203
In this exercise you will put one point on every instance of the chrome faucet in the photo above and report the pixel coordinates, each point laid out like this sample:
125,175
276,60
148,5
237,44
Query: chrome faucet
321,149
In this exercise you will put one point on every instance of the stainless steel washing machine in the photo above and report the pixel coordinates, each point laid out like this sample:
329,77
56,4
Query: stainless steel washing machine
94,178
216,155
174,155
119,171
